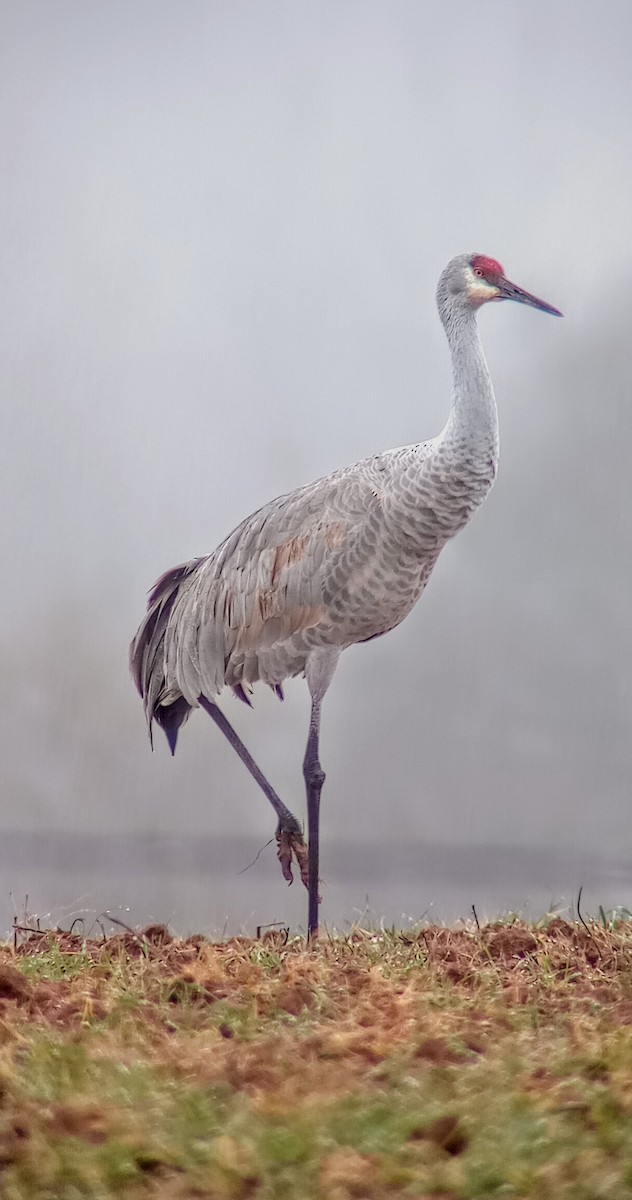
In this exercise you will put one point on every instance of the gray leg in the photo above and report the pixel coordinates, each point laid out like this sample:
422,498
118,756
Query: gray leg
318,672
314,778
289,835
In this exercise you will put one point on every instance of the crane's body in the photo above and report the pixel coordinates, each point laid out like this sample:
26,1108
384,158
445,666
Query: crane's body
336,562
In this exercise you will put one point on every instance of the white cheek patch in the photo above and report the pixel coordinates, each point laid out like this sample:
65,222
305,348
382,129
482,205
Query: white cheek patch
479,292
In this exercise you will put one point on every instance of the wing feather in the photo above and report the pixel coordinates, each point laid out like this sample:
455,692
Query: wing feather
209,620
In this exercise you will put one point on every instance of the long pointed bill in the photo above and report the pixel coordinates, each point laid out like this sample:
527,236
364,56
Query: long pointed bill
511,291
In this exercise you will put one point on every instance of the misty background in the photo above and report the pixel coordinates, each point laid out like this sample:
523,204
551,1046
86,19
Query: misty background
222,226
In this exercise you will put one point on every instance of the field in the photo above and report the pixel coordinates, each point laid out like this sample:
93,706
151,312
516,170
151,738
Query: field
448,1063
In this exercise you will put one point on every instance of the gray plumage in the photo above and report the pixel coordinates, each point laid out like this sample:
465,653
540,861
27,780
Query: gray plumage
336,562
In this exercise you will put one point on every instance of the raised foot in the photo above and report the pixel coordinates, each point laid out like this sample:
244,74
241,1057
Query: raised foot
291,844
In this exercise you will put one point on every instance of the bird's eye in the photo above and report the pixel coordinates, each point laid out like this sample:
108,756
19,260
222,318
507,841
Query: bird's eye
478,271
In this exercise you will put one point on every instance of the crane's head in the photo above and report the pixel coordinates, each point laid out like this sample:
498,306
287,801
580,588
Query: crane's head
470,280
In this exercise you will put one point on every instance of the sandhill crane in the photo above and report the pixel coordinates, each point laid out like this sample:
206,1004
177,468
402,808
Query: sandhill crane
339,561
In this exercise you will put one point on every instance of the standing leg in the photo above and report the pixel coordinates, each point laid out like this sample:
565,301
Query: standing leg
288,835
314,779
319,671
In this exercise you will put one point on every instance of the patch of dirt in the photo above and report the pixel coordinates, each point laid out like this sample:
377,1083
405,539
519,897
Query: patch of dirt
507,942
588,961
85,1120
437,1051
446,1132
14,986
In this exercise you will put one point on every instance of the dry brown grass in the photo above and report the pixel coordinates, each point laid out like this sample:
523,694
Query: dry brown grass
368,1065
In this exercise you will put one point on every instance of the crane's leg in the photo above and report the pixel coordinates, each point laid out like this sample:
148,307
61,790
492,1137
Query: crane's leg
314,779
290,841
318,672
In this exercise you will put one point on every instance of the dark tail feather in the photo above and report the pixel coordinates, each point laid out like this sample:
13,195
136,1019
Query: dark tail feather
146,654
170,717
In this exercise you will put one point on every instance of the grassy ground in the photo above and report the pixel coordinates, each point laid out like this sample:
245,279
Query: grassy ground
448,1063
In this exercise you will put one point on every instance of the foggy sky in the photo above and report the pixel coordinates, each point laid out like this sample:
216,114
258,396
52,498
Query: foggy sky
222,229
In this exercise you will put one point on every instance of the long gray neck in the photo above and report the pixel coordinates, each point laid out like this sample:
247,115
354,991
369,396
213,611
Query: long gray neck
472,426
441,487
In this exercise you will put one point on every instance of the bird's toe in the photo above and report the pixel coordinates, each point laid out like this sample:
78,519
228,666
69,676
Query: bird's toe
291,845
